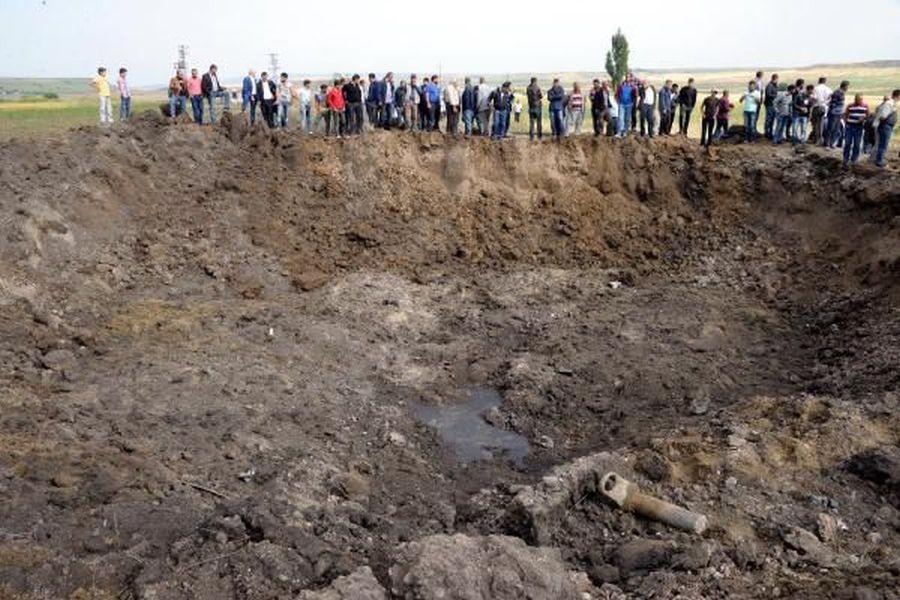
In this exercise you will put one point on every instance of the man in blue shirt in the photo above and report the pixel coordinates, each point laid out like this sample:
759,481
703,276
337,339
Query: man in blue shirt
556,96
248,95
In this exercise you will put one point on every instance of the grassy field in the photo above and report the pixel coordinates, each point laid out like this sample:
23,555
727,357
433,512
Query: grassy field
36,115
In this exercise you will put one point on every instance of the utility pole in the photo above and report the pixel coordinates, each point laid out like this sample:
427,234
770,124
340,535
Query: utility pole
181,63
273,63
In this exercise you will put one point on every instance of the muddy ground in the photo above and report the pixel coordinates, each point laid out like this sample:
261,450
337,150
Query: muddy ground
227,355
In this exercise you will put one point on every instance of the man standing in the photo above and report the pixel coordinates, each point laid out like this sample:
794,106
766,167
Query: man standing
483,100
285,97
372,101
500,98
124,95
556,97
400,95
760,87
835,110
386,97
801,108
708,111
101,84
248,95
306,98
353,98
451,101
885,121
751,100
665,107
676,102
212,90
598,107
265,94
433,93
535,99
626,96
856,114
648,110
687,98
334,100
783,103
413,100
576,109
769,102
177,94
195,93
469,104
821,97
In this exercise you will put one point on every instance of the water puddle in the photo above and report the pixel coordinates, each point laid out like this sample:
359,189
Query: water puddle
471,438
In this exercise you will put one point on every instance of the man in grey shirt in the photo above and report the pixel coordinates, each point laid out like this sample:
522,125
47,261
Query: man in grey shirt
483,106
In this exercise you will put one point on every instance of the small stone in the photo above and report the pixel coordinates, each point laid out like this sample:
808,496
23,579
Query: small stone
827,527
604,573
808,544
693,558
396,438
731,482
643,555
874,537
545,442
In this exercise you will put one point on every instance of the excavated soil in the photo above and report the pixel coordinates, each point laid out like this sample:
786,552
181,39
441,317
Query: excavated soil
240,364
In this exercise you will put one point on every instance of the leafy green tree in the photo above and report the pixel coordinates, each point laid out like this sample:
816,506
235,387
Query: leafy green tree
617,58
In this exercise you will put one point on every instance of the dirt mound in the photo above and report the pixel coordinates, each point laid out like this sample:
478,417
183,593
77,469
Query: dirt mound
216,345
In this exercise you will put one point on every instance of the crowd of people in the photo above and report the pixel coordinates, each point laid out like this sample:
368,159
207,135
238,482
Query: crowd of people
798,113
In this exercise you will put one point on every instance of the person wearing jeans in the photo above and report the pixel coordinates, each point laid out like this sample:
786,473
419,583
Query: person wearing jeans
501,100
212,90
751,100
177,94
195,93
124,95
469,102
285,96
306,97
835,110
709,110
885,121
771,92
626,96
855,115
556,97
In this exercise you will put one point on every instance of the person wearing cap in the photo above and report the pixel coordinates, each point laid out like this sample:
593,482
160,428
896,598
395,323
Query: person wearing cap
709,110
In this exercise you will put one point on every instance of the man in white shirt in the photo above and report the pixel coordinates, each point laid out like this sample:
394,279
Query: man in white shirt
306,106
648,109
821,97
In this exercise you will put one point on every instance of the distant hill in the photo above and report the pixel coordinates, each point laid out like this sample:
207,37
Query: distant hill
17,87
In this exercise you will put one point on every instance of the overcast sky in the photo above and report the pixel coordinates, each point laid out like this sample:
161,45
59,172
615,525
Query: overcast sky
56,38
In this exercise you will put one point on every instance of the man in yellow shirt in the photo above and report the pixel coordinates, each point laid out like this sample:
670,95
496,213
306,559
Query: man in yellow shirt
101,84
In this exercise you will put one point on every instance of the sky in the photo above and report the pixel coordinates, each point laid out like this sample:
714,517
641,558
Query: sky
70,38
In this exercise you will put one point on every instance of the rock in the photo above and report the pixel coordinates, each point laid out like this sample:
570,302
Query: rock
808,545
352,486
604,573
540,508
694,558
698,401
395,438
545,442
654,465
658,585
359,585
827,527
643,555
310,280
866,593
460,567
611,592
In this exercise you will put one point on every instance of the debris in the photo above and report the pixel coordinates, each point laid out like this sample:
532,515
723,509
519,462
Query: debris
615,284
628,496
247,475
202,488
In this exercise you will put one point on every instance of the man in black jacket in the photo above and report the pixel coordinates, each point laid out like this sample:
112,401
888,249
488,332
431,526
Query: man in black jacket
354,111
687,99
266,94
598,107
535,109
211,89
769,96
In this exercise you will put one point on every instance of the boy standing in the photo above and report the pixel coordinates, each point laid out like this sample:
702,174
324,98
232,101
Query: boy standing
101,84
124,95
709,110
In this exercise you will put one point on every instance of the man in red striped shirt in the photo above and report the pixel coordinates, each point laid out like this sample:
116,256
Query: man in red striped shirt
855,117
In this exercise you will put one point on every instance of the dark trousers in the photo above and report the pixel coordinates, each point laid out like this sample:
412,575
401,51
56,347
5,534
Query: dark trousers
535,122
452,120
684,119
833,130
268,111
500,125
818,119
707,128
597,120
852,140
354,118
647,119
334,122
665,122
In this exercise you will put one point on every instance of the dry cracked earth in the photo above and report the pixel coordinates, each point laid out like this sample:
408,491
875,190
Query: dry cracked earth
246,364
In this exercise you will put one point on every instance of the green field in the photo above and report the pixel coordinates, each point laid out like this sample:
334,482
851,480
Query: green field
32,114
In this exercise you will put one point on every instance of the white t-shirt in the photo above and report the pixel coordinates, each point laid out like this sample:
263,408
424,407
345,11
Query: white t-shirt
267,91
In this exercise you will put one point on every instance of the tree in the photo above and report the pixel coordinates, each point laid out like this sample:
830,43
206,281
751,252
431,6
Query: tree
617,58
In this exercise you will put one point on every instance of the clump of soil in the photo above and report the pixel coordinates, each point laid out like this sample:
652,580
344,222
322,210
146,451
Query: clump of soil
215,344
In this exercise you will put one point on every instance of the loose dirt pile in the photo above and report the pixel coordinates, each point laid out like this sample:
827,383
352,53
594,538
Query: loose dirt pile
217,345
